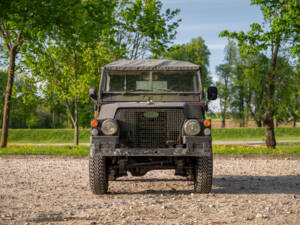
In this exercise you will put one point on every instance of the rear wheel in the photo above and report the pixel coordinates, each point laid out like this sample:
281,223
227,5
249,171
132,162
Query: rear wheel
98,174
203,174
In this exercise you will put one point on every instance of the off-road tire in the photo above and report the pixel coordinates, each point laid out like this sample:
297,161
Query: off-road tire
203,174
98,174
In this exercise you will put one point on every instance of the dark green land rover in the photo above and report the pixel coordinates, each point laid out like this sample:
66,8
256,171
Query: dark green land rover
150,115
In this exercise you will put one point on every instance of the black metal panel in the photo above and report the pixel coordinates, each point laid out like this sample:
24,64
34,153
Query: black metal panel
193,111
150,127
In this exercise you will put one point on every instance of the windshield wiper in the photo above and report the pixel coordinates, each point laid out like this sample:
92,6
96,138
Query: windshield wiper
163,89
132,91
143,90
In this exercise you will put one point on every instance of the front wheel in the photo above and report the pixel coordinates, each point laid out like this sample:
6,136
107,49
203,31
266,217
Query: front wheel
98,174
203,174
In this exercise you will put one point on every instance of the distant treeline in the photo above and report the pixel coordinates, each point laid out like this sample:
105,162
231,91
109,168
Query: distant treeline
242,84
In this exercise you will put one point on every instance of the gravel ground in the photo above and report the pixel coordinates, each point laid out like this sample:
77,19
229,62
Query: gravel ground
53,190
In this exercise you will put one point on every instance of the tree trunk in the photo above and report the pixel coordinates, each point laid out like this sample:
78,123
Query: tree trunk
270,134
68,122
76,127
248,103
294,122
74,119
7,103
224,118
52,113
258,123
76,134
76,130
269,117
223,122
225,101
241,108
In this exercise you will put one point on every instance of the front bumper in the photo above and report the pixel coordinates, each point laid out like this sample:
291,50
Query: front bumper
107,146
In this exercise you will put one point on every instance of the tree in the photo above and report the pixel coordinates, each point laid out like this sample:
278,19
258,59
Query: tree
70,62
141,27
239,92
62,62
225,72
286,89
256,69
25,22
26,111
196,52
233,87
63,72
281,28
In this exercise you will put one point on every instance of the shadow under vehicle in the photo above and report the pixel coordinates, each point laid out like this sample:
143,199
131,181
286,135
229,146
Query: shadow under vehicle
150,115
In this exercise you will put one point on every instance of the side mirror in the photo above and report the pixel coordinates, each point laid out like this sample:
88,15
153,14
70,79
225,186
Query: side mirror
92,94
212,93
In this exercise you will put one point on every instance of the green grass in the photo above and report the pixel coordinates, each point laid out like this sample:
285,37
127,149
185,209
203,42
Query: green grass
45,150
219,134
250,134
286,148
289,148
47,136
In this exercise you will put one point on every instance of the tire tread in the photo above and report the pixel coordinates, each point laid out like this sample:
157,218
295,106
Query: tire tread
98,174
203,175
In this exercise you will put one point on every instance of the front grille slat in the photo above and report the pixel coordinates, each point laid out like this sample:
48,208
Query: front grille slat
150,128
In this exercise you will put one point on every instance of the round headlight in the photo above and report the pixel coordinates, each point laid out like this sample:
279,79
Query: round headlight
109,127
192,127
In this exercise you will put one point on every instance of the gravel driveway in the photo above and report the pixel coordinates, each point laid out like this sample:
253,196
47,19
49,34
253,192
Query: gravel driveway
53,190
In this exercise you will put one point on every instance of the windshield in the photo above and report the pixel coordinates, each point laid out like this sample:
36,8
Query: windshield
183,81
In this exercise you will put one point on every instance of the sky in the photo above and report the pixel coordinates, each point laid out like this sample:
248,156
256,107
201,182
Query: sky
206,18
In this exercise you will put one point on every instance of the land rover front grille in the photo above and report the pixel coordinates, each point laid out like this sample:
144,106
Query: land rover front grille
150,128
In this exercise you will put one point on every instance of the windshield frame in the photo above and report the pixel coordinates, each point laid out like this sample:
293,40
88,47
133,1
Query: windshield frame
105,82
174,96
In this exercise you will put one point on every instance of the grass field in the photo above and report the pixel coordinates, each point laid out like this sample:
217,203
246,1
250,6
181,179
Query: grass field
250,134
219,134
289,148
286,148
45,150
47,136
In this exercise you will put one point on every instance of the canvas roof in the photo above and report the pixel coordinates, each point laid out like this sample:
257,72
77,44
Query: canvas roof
151,64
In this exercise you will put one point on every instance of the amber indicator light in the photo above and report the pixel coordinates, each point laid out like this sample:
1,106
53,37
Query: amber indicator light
207,123
94,123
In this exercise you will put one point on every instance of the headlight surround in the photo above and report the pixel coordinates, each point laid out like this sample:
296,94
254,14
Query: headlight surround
192,127
109,127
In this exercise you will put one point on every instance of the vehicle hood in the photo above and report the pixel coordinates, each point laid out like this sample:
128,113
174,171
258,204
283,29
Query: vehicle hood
108,111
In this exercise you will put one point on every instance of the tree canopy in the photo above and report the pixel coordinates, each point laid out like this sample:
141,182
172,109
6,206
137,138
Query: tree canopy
280,27
70,60
196,52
